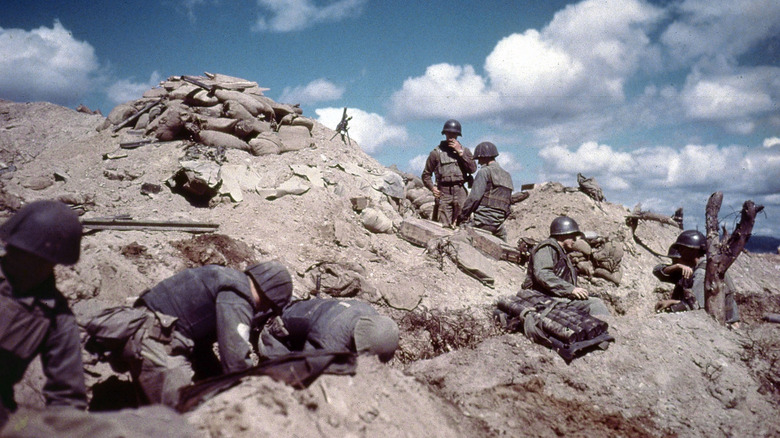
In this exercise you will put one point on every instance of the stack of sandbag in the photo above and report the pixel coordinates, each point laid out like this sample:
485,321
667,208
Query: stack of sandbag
215,110
598,257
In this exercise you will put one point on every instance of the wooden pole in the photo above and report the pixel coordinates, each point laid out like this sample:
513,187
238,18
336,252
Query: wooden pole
721,254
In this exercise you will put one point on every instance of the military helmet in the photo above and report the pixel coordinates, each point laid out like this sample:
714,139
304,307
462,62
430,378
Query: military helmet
274,283
564,225
452,126
376,334
47,229
485,149
692,239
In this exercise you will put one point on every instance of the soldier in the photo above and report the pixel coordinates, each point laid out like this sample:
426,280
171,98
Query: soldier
173,325
491,194
551,272
452,165
35,318
687,271
335,325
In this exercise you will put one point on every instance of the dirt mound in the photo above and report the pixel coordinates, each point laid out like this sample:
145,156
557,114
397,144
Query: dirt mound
456,373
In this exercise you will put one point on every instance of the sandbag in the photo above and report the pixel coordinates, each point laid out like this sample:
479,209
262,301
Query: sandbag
217,139
295,138
121,112
170,125
234,110
221,124
250,127
254,106
200,97
266,143
376,221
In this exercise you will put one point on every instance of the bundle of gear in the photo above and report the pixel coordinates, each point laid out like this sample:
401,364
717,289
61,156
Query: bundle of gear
563,325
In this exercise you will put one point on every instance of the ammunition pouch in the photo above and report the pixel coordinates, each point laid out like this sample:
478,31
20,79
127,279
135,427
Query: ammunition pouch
563,325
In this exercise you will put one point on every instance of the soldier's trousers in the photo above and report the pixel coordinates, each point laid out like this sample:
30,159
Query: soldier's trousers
450,203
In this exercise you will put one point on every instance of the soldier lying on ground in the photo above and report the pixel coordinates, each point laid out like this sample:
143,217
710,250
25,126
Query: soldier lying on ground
687,272
34,315
172,327
335,325
551,272
491,193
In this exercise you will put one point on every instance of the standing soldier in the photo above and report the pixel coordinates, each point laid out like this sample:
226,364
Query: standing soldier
491,193
452,164
34,315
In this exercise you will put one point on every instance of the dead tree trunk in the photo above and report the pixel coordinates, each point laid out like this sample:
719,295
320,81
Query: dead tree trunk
721,254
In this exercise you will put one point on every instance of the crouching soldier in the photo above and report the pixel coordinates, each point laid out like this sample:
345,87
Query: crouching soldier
491,193
334,325
551,272
171,329
687,272
35,318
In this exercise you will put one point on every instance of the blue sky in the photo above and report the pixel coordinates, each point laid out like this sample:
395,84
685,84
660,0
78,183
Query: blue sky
664,102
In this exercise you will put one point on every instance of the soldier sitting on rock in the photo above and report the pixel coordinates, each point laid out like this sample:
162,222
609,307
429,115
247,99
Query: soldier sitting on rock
551,272
335,325
35,318
687,272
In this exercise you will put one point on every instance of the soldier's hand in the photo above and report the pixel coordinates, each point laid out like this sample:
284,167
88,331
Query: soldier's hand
665,304
579,293
455,144
436,192
686,271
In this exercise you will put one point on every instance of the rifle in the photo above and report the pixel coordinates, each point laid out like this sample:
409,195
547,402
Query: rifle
210,88
435,215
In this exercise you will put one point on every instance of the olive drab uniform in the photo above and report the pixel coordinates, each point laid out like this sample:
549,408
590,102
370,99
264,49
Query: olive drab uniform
489,199
451,171
551,272
40,322
690,291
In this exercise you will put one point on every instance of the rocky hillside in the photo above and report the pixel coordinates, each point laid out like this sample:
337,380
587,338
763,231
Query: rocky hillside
328,210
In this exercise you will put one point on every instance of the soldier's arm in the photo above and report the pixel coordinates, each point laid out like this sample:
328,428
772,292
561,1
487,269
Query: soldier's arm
475,195
234,317
661,273
61,359
467,160
543,266
430,164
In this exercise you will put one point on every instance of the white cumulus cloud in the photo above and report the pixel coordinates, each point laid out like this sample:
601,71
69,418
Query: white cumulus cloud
444,91
771,142
45,64
294,15
318,90
370,130
125,90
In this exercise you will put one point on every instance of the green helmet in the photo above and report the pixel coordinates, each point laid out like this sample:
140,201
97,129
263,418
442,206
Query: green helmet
485,149
564,225
451,126
47,229
692,239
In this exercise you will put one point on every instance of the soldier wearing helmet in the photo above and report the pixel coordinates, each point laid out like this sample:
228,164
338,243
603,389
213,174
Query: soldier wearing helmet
35,318
452,165
551,272
181,318
490,195
334,325
687,272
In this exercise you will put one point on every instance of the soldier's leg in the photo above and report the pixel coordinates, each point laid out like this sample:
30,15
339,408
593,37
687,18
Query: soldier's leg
160,374
459,195
446,203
